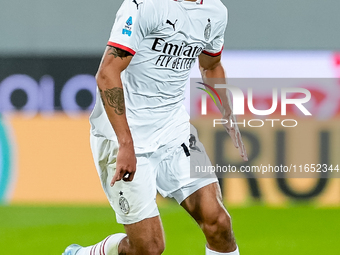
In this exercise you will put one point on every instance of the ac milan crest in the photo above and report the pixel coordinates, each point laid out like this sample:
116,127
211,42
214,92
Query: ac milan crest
207,31
124,205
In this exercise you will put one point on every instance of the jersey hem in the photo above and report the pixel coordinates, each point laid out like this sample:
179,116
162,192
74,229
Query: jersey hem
212,54
122,47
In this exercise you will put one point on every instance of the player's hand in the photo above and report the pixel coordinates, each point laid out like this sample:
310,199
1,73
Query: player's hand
125,165
235,135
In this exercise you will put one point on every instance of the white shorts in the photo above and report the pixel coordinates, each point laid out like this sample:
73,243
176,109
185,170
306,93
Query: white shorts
166,170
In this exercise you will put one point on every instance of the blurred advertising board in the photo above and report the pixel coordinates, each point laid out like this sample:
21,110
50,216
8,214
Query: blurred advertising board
44,131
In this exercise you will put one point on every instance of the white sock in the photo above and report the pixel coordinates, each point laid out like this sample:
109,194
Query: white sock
210,252
109,246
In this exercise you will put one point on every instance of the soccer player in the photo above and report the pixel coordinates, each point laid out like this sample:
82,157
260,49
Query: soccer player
140,129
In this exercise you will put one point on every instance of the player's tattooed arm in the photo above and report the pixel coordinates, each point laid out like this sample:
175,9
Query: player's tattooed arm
111,89
116,52
114,98
114,61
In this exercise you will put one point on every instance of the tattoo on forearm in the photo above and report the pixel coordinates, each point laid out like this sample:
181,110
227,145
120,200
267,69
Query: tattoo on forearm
115,98
116,52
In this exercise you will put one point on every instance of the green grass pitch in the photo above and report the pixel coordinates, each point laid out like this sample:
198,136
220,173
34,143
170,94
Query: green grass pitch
259,230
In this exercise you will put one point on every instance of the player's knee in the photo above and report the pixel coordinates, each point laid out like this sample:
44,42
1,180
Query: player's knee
154,247
217,226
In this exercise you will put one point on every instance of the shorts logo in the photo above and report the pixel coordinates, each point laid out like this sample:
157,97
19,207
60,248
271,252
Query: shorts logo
192,141
207,31
123,203
127,29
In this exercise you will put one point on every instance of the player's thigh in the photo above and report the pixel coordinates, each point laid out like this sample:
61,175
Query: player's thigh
176,176
132,201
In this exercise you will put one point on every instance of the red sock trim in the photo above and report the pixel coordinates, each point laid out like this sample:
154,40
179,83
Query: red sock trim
103,246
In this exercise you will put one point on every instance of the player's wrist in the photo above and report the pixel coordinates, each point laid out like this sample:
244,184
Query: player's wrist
125,143
227,113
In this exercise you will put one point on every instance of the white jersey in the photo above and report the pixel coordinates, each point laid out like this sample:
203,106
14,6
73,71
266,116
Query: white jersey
165,37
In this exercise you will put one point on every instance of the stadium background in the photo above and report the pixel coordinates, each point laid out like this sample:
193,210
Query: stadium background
49,190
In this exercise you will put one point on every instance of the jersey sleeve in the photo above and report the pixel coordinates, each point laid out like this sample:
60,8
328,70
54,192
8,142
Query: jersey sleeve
134,20
215,46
